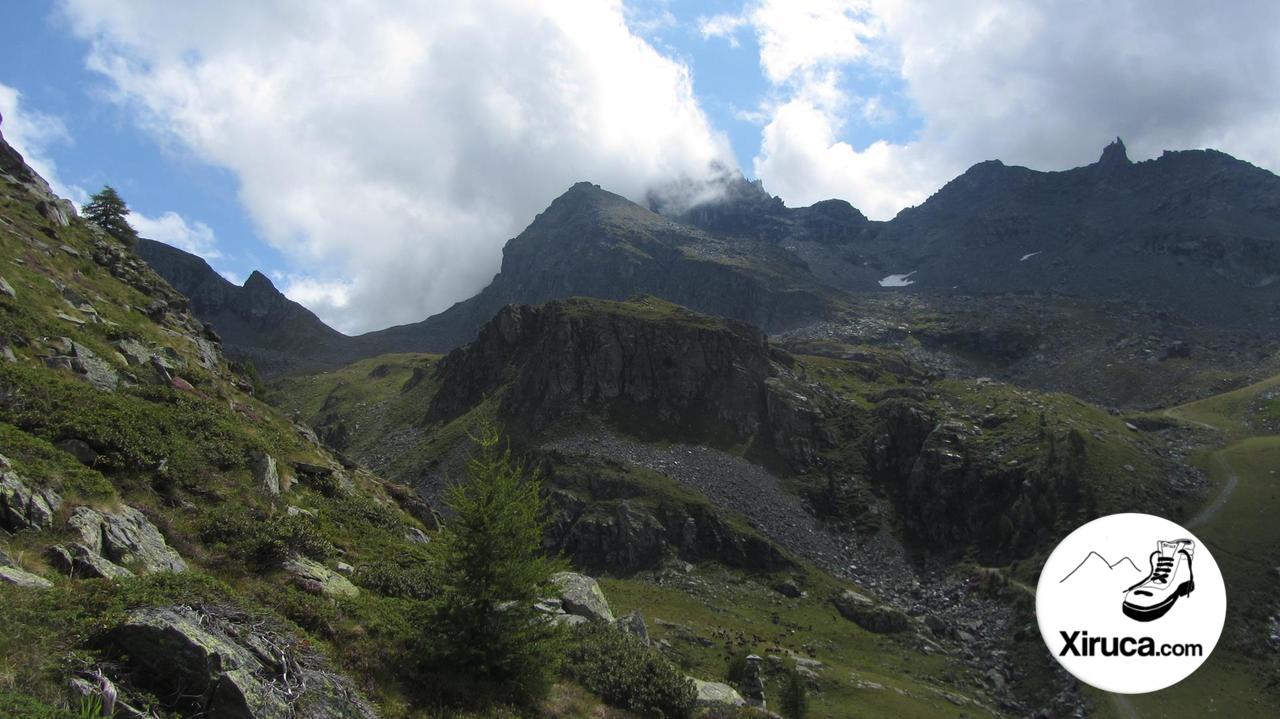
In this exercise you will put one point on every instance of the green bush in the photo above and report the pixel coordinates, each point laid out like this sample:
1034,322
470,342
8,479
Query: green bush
627,674
38,460
19,706
250,535
406,580
795,695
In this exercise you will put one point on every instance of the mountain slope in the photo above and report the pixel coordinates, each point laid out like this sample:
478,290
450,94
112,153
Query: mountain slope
256,322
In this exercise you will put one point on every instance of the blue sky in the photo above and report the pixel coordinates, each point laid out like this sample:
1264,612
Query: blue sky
373,158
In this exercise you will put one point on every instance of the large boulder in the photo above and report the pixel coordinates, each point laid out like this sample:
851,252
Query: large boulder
318,579
23,506
265,473
216,663
581,595
871,616
716,695
81,562
126,536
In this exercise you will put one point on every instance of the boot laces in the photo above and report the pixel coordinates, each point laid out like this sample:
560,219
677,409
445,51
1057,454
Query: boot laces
1164,565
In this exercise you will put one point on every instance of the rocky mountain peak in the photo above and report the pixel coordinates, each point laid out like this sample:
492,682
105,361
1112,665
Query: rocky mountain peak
1114,155
258,282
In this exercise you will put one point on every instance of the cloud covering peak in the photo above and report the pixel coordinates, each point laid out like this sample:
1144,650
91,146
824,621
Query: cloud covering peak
390,149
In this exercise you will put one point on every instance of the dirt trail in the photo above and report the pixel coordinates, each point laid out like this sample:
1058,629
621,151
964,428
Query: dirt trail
1224,495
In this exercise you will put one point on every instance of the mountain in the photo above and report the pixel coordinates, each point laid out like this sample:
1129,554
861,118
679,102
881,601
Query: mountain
593,243
1196,232
255,321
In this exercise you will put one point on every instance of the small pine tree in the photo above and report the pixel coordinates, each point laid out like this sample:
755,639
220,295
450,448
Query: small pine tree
107,209
484,640
795,695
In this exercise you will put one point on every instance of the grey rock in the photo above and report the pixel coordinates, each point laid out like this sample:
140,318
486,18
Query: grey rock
716,695
69,250
23,506
633,623
79,449
134,352
57,210
206,353
95,370
866,613
788,588
581,595
300,512
344,568
415,535
569,620
126,536
81,562
318,579
265,473
217,664
6,289
23,578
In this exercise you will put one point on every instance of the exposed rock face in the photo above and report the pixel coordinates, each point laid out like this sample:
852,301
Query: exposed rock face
219,664
318,579
866,613
581,595
22,578
633,623
23,506
265,474
652,366
716,695
126,536
81,562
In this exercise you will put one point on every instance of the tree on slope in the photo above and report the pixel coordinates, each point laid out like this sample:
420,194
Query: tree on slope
484,638
107,209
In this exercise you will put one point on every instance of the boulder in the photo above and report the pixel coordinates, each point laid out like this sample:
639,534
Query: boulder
633,623
6,289
318,579
581,595
126,536
134,352
216,663
22,506
80,562
716,695
95,370
866,613
23,578
265,473
79,449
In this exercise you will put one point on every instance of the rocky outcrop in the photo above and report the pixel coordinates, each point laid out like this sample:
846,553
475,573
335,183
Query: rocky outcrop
654,367
10,573
219,663
870,615
81,562
265,473
716,695
23,506
126,537
314,577
581,595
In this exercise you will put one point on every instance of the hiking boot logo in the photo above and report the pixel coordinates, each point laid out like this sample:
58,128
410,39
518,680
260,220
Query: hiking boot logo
1171,577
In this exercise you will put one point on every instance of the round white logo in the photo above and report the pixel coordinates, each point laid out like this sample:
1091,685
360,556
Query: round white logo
1131,603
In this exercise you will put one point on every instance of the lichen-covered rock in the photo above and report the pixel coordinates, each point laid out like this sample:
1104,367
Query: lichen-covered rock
81,562
219,664
318,579
23,506
866,613
581,595
126,536
633,623
265,473
716,695
22,578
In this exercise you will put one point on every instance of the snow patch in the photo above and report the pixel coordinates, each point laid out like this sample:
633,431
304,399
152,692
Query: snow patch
898,280
1029,255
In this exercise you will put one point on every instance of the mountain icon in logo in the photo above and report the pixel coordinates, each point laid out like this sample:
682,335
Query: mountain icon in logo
1095,569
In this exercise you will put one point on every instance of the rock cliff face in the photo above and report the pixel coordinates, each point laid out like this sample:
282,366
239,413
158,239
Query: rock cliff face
650,366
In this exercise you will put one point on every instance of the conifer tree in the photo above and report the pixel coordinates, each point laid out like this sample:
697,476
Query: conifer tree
484,639
107,209
795,695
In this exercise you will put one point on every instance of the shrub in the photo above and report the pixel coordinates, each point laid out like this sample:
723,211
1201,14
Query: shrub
249,535
627,674
406,580
795,695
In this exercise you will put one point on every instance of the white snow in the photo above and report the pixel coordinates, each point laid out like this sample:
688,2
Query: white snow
1029,255
898,280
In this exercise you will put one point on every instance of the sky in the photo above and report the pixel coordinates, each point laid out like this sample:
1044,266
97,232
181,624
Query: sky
373,158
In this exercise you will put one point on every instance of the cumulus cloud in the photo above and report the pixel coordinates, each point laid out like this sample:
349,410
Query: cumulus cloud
1044,84
391,149
173,229
32,133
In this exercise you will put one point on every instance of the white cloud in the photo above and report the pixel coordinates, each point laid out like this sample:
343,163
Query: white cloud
722,26
397,146
173,229
317,295
32,133
1044,84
